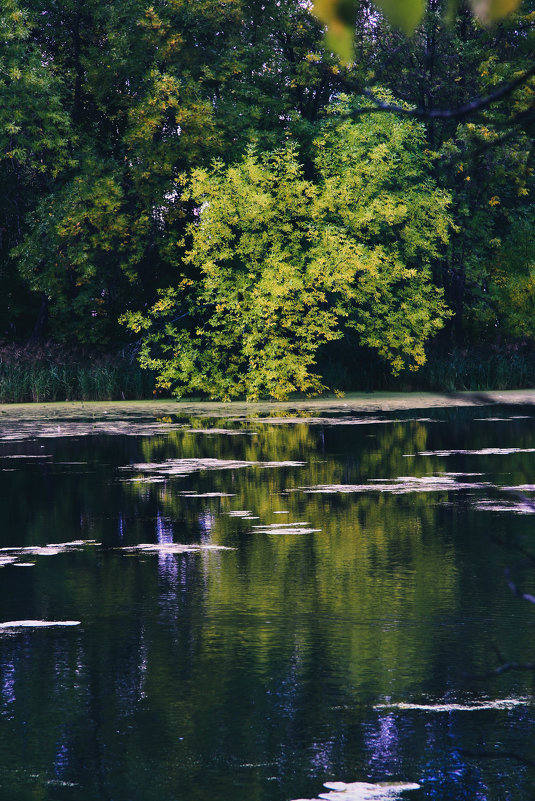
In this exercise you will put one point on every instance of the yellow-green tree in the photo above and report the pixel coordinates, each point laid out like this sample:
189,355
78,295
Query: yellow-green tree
279,265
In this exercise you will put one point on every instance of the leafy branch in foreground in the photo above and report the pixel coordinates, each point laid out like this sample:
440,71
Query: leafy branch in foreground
339,16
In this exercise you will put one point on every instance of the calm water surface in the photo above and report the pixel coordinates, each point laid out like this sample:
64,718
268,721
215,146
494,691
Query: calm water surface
338,616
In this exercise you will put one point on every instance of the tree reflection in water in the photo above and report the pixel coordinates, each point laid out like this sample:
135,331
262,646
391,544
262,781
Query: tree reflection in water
258,672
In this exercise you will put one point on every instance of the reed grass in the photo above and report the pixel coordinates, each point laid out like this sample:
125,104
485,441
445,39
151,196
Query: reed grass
52,373
478,371
456,370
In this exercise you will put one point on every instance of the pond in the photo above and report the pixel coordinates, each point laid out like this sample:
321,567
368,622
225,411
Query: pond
242,603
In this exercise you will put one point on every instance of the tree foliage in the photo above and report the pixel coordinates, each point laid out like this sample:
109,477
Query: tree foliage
282,265
107,112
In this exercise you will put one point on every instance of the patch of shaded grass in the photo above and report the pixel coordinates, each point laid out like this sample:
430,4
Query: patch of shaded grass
476,371
456,370
53,373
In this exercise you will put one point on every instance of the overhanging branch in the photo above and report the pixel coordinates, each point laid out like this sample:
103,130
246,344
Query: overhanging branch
472,107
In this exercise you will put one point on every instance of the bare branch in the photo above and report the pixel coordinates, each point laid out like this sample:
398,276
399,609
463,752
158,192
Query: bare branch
472,107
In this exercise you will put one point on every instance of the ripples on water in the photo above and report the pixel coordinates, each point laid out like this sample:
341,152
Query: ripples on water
248,618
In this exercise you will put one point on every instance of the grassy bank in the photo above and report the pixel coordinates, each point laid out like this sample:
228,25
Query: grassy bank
52,373
453,371
475,371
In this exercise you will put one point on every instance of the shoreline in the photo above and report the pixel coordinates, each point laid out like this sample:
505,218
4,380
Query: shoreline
352,402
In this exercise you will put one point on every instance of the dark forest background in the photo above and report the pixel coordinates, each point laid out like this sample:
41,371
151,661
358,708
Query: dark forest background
205,186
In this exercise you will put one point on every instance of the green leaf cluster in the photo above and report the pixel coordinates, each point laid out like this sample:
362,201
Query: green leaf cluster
284,265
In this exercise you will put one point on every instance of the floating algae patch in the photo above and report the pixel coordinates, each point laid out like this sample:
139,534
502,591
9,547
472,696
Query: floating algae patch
364,791
329,421
228,431
14,625
53,549
479,452
400,485
33,429
173,548
27,456
191,494
476,706
521,507
286,529
184,467
241,514
145,480
502,419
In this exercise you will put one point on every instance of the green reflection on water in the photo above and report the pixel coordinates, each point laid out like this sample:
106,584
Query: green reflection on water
255,673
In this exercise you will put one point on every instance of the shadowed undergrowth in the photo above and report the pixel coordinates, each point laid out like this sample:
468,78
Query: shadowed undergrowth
456,370
51,373
54,373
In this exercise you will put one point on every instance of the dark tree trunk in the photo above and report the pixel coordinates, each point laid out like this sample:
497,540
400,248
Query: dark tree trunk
38,332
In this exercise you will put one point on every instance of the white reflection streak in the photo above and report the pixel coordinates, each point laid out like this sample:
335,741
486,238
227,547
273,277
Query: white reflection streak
167,563
142,666
8,683
206,523
62,760
383,743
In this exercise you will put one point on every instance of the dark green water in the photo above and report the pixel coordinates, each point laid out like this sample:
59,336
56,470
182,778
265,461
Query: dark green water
342,644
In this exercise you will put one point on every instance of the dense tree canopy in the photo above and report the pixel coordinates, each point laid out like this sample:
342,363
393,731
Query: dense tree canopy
243,193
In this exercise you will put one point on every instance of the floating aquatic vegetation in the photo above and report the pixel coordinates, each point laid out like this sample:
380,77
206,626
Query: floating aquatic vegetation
145,480
229,431
517,507
242,514
53,549
33,429
13,625
475,706
184,467
191,494
286,528
281,512
329,421
401,485
30,421
26,456
468,452
503,419
173,547
364,791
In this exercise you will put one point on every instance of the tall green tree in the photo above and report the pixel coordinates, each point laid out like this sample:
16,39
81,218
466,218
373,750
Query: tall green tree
282,265
153,91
